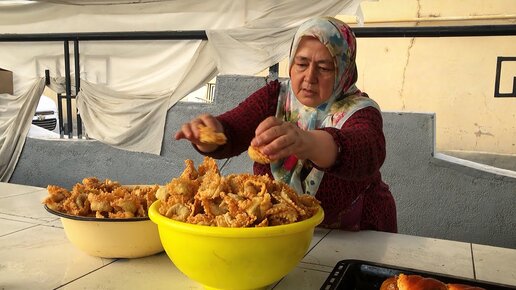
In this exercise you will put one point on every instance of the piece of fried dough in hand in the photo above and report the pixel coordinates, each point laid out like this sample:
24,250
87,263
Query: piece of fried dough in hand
209,136
256,155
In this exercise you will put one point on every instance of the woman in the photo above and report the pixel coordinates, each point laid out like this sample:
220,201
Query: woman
323,134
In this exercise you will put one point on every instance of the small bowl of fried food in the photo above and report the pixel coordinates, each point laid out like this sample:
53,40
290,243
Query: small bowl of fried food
106,219
239,231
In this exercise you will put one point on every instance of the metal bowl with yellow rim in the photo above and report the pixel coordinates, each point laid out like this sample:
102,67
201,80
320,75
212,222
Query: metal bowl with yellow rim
111,238
133,236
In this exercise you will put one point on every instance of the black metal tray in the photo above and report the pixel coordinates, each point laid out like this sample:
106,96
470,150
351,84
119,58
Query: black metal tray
363,275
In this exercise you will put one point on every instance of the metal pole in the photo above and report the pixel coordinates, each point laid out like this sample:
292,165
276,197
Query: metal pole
85,36
411,31
436,31
77,85
274,72
60,115
69,120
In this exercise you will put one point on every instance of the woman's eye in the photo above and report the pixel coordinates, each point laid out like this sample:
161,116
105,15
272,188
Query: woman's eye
301,66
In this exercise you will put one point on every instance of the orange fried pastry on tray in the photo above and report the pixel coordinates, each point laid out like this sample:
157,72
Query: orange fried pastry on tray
256,155
203,196
417,282
209,136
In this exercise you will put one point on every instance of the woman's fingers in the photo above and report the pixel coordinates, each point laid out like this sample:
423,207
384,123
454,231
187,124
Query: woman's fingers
278,139
190,130
212,122
268,130
186,132
267,124
179,135
280,147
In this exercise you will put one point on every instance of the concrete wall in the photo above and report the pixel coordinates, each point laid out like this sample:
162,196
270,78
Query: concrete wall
435,198
440,198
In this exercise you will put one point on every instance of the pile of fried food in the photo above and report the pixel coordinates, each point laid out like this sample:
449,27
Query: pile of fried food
417,282
202,196
101,199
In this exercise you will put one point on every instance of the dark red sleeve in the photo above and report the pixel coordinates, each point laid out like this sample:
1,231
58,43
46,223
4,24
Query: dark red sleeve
361,144
241,122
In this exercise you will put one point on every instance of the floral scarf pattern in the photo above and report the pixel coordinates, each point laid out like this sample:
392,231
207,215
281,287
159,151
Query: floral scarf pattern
345,100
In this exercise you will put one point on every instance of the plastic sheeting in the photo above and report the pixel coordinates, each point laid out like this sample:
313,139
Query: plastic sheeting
126,117
14,111
140,80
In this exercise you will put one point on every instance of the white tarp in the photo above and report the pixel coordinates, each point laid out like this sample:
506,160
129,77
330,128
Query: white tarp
14,128
244,37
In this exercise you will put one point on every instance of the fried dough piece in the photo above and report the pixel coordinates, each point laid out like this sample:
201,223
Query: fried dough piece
209,136
256,155
417,282
56,196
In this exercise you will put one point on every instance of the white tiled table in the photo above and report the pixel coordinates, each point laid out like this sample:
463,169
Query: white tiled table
35,254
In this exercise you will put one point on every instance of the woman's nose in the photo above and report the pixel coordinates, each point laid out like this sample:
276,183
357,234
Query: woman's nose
311,74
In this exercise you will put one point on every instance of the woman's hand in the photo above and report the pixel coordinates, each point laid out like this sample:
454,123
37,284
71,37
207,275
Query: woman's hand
190,131
278,139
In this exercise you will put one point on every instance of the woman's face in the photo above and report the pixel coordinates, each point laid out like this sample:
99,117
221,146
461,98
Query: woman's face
312,73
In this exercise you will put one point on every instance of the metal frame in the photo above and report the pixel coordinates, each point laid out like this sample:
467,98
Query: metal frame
497,93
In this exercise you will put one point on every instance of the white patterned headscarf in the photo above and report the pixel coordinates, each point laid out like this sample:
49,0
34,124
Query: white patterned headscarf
345,99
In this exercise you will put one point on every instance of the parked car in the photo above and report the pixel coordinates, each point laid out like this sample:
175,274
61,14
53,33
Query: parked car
46,115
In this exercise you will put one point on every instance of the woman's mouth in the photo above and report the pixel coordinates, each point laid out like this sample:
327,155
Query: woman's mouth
309,92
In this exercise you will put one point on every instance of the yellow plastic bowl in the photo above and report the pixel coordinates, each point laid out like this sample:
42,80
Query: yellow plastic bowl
234,258
111,238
